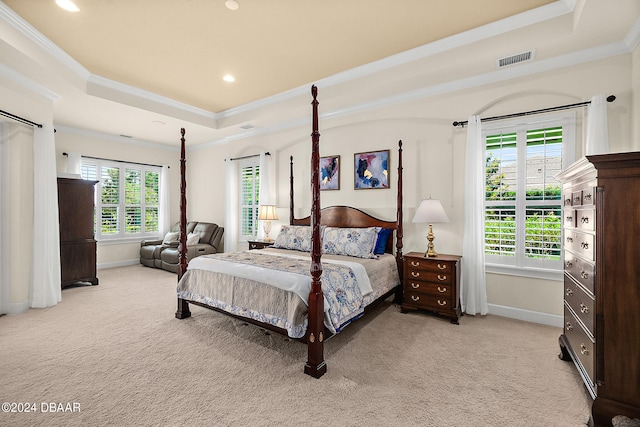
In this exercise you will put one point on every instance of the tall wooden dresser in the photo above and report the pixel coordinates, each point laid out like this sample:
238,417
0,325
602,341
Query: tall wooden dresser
601,216
77,242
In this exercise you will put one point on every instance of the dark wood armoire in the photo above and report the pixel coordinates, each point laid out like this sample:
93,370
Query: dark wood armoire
77,238
601,216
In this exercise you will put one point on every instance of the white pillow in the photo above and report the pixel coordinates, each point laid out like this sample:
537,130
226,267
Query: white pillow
193,239
356,242
171,237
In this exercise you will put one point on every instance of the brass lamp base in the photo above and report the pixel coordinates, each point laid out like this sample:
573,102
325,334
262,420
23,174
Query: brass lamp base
430,249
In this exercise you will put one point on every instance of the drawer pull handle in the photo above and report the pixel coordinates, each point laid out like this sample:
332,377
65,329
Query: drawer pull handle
584,350
568,264
442,303
569,292
569,219
415,298
584,245
442,266
569,239
569,327
587,196
567,201
415,274
584,220
442,290
584,309
442,277
415,263
576,199
584,274
415,285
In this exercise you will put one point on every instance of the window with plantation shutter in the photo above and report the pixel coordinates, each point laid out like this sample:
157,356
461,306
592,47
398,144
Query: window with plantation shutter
249,197
127,198
523,227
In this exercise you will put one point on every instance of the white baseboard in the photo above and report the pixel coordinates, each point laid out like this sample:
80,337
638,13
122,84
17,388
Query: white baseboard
527,315
118,264
18,307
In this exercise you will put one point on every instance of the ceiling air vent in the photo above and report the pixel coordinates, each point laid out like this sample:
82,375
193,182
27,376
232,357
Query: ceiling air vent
514,59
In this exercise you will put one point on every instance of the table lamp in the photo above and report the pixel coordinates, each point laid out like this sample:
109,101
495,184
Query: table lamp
430,211
267,213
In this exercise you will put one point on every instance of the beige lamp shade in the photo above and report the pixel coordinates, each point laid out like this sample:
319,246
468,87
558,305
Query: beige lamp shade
268,212
430,211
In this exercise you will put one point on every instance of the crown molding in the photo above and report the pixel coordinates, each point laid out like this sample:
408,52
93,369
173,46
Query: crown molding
26,29
110,137
27,83
633,36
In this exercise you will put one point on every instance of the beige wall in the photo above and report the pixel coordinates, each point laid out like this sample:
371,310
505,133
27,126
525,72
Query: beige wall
112,254
433,162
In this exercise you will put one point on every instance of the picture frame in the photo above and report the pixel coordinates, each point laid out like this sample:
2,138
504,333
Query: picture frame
330,173
371,170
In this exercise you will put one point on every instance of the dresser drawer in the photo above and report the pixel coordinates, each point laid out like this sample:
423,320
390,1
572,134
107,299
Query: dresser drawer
585,219
569,218
584,195
580,302
442,290
420,300
580,270
581,244
582,345
417,264
429,276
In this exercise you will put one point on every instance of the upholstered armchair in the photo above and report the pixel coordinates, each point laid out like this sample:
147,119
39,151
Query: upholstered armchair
202,238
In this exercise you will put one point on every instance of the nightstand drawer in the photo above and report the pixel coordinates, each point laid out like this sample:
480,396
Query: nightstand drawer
440,266
429,276
436,289
428,302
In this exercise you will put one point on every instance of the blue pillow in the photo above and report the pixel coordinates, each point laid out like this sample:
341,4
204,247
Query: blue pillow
381,244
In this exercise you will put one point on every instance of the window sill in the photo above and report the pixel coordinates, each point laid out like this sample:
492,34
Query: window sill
126,240
536,273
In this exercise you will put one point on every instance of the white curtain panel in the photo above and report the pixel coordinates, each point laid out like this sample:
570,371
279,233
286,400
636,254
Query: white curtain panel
473,280
231,208
597,126
164,216
74,163
265,187
45,285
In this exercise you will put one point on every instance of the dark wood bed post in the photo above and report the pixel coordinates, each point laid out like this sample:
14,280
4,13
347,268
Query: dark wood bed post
183,307
398,296
315,366
291,191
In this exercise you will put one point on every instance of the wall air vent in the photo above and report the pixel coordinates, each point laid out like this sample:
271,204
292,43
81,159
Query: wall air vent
514,59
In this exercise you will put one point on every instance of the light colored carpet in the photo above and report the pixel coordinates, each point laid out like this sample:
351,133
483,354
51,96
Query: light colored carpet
117,350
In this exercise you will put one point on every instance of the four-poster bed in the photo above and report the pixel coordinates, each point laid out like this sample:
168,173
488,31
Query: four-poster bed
309,311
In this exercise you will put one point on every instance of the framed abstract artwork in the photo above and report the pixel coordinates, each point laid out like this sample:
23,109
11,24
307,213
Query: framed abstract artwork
371,170
330,173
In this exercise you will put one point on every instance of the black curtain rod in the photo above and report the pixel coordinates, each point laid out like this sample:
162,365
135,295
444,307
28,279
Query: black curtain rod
248,157
19,119
118,161
610,98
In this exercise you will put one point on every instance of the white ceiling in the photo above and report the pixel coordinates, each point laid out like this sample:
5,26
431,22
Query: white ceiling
125,67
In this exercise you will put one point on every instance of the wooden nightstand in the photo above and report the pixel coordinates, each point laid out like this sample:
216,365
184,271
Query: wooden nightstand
259,244
432,284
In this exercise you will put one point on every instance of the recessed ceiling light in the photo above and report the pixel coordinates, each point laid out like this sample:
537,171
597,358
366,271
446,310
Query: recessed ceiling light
229,78
67,5
232,4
